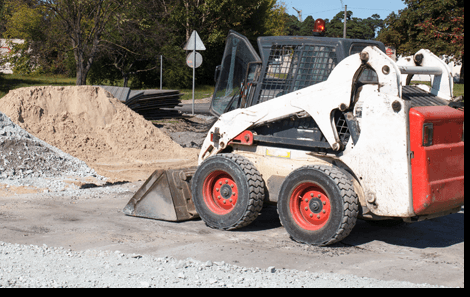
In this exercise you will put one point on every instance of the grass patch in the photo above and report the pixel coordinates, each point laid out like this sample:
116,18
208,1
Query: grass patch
459,90
201,92
10,82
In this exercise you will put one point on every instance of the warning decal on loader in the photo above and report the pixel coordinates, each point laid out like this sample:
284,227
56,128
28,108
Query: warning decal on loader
278,153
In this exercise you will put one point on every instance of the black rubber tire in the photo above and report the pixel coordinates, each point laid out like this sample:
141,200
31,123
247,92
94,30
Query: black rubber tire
250,187
343,204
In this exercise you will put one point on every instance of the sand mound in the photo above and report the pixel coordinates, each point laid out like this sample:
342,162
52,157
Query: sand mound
91,125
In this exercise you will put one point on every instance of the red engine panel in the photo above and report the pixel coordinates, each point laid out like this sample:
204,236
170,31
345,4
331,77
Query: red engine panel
437,169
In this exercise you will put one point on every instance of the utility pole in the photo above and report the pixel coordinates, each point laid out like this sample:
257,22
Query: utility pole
345,20
300,14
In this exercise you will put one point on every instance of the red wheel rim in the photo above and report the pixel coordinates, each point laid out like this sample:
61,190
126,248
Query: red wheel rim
220,192
310,206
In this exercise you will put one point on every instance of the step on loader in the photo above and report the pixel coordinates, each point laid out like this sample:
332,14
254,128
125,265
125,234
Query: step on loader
328,130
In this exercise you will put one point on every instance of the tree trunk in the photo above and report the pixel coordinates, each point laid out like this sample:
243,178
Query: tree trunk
81,69
126,80
81,75
81,78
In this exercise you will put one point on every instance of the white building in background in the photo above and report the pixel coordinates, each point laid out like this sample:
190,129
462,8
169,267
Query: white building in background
4,50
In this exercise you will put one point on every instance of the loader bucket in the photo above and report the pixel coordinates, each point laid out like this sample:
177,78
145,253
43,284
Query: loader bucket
165,196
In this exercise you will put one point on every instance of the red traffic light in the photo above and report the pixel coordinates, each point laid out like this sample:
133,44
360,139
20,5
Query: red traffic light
319,29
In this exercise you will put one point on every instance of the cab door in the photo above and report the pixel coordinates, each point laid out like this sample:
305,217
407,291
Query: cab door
238,65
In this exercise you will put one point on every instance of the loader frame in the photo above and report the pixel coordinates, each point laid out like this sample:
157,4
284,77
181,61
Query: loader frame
328,129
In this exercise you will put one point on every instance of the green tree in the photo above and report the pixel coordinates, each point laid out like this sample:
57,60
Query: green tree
306,27
449,27
125,38
23,21
392,34
84,23
419,24
434,25
356,28
375,23
296,28
213,19
2,17
293,26
277,20
133,41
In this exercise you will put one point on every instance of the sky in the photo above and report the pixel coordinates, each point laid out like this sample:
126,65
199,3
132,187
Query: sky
327,9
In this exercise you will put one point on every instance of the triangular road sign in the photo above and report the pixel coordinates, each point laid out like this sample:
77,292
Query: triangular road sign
190,44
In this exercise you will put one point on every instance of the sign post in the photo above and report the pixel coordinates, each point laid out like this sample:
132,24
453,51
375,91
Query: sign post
194,60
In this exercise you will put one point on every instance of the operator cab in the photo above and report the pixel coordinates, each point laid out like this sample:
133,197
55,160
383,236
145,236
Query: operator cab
239,55
285,64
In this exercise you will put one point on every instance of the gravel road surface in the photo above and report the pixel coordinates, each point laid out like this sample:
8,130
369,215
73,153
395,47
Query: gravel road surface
90,243
29,266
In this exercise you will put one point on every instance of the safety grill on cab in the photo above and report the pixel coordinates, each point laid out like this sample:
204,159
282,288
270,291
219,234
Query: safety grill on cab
294,67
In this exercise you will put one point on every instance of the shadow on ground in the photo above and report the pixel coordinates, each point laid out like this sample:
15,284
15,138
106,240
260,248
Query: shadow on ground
440,232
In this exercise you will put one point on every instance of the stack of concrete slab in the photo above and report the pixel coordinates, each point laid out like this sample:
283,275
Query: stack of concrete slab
151,104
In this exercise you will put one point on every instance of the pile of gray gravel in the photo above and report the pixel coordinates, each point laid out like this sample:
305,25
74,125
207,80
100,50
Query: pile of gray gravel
27,160
24,266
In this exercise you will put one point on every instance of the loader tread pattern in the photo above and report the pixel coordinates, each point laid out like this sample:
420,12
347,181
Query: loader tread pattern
350,202
256,191
256,186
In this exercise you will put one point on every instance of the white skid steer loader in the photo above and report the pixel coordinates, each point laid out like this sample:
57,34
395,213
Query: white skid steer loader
325,128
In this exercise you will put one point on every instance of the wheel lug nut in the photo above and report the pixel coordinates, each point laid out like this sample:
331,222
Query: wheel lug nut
319,195
230,200
226,181
306,200
318,216
234,194
220,183
232,186
311,215
324,202
218,197
217,189
306,208
225,201
324,211
311,195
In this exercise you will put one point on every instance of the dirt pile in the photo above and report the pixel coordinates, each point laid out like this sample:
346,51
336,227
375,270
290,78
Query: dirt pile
91,125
